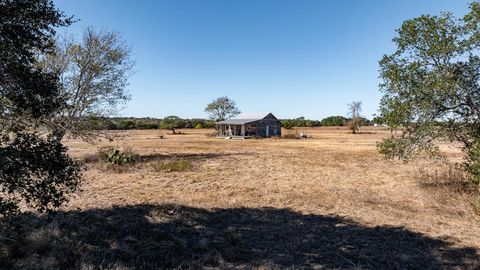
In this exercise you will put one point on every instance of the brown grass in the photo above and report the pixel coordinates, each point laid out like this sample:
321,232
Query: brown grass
333,192
172,166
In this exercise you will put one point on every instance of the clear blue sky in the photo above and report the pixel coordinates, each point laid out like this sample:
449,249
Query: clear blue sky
289,57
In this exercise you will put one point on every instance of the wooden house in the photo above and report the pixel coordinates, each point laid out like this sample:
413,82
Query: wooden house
250,125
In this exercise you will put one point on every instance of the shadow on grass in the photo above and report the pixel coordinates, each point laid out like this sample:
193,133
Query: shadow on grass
186,156
95,158
172,236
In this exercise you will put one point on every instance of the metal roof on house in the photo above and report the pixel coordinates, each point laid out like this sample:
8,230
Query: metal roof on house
237,121
244,118
256,116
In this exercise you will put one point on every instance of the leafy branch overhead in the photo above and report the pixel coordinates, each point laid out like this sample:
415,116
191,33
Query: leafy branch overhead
431,86
35,169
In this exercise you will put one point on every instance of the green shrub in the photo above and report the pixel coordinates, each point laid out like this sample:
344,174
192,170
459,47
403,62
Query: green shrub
393,147
115,157
287,124
299,122
172,166
472,162
199,125
334,121
127,124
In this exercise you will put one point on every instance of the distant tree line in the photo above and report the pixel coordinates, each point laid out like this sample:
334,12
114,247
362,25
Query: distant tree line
170,122
330,121
174,122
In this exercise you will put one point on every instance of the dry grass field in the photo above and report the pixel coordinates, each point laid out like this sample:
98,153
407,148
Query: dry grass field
329,201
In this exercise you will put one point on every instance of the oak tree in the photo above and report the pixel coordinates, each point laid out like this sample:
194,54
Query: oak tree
431,87
35,169
222,108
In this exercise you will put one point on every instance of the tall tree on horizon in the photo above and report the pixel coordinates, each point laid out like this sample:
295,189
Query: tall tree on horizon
222,108
354,110
171,122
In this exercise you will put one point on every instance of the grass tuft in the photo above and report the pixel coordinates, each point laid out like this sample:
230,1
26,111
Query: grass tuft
172,166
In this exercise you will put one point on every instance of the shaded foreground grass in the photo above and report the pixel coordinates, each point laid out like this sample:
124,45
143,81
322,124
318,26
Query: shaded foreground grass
150,236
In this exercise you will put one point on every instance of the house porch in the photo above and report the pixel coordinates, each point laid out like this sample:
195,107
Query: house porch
235,130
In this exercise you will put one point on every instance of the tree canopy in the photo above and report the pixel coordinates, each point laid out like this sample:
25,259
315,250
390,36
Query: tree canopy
222,108
171,122
354,110
431,86
35,168
93,75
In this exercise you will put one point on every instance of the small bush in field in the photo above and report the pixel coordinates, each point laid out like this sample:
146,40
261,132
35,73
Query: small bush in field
172,166
115,157
199,125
